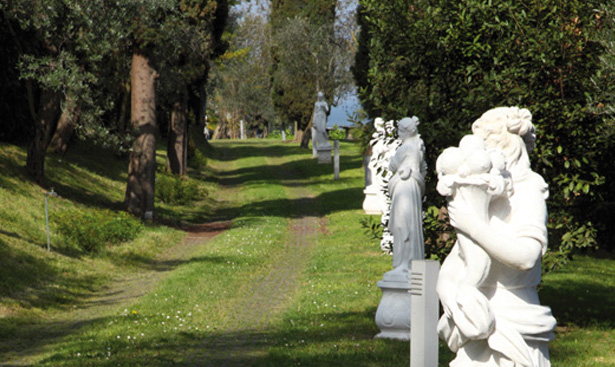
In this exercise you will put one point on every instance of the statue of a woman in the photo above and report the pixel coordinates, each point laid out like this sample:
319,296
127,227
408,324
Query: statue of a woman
320,122
499,320
406,188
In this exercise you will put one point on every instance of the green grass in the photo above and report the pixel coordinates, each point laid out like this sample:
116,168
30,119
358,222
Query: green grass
327,320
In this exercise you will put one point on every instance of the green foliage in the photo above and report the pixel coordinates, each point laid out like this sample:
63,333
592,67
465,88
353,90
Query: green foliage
277,134
447,62
372,227
197,161
362,130
337,134
308,56
438,233
240,86
92,231
173,189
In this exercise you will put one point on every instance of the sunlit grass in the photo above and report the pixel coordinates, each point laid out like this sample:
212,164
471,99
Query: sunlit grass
190,317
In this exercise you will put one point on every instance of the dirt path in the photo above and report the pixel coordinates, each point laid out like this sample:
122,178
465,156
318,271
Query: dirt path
121,293
238,345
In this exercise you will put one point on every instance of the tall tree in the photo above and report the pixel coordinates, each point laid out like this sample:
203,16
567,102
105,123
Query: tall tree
52,40
146,33
196,30
241,83
173,40
293,97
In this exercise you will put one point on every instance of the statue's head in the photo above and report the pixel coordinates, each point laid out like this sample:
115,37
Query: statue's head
320,96
379,124
408,126
509,129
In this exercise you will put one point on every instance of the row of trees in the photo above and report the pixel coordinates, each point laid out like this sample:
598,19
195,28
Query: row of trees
93,65
274,67
449,61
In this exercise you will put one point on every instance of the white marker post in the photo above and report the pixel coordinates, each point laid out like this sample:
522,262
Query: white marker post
336,160
424,313
314,152
242,126
47,194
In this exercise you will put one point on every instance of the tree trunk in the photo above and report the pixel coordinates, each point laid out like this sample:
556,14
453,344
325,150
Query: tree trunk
177,145
123,115
142,163
306,136
44,127
66,126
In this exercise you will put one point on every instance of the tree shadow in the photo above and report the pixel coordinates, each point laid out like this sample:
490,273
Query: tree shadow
231,150
582,302
34,283
323,204
270,346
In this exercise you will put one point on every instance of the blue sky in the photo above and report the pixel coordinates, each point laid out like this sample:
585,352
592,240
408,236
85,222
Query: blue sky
339,114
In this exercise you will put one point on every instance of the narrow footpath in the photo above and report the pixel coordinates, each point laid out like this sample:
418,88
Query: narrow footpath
120,293
239,344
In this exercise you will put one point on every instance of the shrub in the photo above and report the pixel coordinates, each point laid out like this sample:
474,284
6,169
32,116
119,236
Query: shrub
172,189
277,134
337,133
454,60
91,231
197,160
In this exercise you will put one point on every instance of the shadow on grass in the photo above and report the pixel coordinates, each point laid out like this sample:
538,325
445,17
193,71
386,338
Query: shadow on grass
231,150
347,338
582,298
34,283
298,172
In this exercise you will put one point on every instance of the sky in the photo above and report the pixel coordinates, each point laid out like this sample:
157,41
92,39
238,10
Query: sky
339,114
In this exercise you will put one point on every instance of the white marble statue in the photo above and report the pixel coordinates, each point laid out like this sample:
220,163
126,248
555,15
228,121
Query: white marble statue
470,176
321,138
384,145
376,200
487,284
406,188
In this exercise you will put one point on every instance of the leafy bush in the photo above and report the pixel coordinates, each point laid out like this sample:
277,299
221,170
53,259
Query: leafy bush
277,134
337,133
91,231
172,189
454,60
372,227
197,160
438,233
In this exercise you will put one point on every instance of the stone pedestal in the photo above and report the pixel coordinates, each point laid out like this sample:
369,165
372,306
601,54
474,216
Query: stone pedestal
393,313
324,154
372,204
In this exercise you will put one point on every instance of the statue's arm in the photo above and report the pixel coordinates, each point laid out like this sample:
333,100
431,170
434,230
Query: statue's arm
523,249
448,278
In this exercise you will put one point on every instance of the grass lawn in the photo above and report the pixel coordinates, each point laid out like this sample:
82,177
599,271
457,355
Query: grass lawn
193,316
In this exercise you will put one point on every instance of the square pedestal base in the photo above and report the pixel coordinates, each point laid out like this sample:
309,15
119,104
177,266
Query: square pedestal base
324,155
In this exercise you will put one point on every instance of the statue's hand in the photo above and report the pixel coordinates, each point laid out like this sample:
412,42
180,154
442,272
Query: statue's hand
404,173
463,219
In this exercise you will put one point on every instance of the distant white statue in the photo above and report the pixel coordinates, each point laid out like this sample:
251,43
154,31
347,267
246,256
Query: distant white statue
321,109
406,189
487,284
